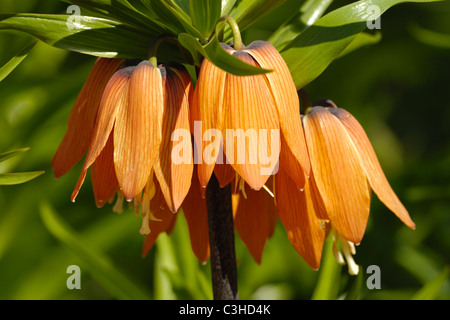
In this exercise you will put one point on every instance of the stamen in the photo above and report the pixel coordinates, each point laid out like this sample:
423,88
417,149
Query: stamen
118,206
242,187
349,250
268,191
145,229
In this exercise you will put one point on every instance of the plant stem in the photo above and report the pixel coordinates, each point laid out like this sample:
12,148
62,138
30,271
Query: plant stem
221,240
237,38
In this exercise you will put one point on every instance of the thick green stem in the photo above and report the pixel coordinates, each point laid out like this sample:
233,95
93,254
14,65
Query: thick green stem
237,38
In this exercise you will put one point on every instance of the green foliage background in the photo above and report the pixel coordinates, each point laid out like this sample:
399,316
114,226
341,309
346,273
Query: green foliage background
398,90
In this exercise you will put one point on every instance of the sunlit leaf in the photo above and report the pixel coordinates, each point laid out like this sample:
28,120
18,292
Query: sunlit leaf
431,289
361,40
8,179
98,263
176,19
7,68
430,37
309,54
309,13
9,154
249,11
122,11
329,275
205,14
214,52
89,35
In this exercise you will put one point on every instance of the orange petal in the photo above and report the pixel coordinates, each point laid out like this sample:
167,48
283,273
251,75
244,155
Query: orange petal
251,130
299,211
207,111
175,163
285,95
82,118
225,173
194,209
103,175
371,166
255,220
112,100
137,132
291,166
339,176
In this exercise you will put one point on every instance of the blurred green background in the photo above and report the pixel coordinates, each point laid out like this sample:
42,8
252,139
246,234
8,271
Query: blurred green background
398,90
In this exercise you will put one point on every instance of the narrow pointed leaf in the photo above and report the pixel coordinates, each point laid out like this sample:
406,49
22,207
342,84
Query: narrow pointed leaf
7,179
9,154
309,54
96,262
250,11
7,68
89,35
215,53
205,14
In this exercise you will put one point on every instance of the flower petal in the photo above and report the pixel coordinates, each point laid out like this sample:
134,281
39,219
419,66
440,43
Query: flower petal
113,99
339,176
207,108
255,220
137,132
371,166
224,172
291,166
82,118
194,209
251,130
285,95
103,175
175,163
299,212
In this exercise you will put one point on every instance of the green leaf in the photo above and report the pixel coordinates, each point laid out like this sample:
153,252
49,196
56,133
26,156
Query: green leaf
123,12
363,39
90,35
227,6
9,154
309,54
14,62
205,14
8,179
329,275
98,263
173,17
430,290
309,13
214,52
430,37
250,11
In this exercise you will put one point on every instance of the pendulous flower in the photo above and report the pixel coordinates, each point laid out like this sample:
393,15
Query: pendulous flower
130,143
345,170
256,117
